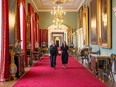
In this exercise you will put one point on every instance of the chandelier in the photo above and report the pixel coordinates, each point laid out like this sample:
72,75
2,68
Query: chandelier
58,12
57,22
59,1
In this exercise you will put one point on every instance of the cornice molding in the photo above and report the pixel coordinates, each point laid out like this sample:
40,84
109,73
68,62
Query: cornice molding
49,10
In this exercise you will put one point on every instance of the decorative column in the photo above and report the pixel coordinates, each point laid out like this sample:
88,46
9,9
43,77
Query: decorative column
65,37
50,37
4,42
18,20
36,26
1,39
40,37
23,29
31,12
38,34
37,29
28,34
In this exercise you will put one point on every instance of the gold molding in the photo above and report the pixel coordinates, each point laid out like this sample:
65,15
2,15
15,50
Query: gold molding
85,25
28,19
99,21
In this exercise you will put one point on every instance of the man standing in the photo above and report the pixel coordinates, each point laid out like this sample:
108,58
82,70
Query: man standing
53,54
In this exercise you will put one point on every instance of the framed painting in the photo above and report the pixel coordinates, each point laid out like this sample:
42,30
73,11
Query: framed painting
85,25
93,22
12,21
80,14
104,21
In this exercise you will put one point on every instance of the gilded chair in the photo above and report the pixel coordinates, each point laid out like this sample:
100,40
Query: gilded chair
84,54
110,70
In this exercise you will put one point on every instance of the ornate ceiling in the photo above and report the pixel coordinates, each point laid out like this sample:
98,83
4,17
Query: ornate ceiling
46,5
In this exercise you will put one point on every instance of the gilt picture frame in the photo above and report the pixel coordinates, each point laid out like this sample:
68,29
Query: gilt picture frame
80,16
93,22
85,26
104,21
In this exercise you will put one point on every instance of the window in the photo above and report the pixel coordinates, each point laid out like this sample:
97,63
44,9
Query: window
21,23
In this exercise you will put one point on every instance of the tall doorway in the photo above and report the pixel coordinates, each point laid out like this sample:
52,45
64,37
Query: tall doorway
60,33
57,43
58,38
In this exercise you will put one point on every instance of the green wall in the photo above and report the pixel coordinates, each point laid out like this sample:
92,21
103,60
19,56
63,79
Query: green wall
45,19
113,23
70,20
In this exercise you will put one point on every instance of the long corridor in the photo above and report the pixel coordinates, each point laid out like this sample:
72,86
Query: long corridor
42,75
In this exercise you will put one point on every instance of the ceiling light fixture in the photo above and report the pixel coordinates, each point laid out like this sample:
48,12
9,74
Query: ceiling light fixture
57,22
58,12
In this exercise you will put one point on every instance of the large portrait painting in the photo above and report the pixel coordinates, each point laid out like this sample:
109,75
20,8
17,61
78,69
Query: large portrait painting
93,22
12,20
80,14
104,9
85,26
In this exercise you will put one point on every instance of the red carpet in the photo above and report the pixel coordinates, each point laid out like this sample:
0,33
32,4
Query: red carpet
42,75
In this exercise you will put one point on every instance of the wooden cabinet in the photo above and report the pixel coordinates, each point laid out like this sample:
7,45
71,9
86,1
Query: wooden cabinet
19,61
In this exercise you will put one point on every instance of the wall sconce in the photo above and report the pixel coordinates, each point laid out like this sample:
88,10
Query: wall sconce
114,9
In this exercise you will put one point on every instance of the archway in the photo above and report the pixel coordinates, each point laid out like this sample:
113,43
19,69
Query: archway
60,33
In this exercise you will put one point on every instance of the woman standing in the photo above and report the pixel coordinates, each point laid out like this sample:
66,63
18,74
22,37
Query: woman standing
64,49
53,54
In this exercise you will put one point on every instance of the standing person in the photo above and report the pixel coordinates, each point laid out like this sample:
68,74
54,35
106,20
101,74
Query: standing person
17,46
53,54
64,56
36,45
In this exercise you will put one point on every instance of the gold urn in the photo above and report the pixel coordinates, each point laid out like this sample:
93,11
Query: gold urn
13,67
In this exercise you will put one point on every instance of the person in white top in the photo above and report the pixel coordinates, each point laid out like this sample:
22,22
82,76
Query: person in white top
36,44
17,46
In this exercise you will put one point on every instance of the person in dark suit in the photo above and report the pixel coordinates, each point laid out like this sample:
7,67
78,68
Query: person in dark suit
53,54
64,56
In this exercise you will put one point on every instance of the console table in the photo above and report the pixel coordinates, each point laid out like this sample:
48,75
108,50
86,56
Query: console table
36,54
99,61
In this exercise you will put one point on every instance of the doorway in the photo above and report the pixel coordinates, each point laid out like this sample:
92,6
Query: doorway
57,43
61,33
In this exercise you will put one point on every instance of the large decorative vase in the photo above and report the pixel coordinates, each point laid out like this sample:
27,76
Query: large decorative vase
13,67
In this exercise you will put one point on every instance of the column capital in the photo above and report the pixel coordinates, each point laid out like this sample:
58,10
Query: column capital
19,2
